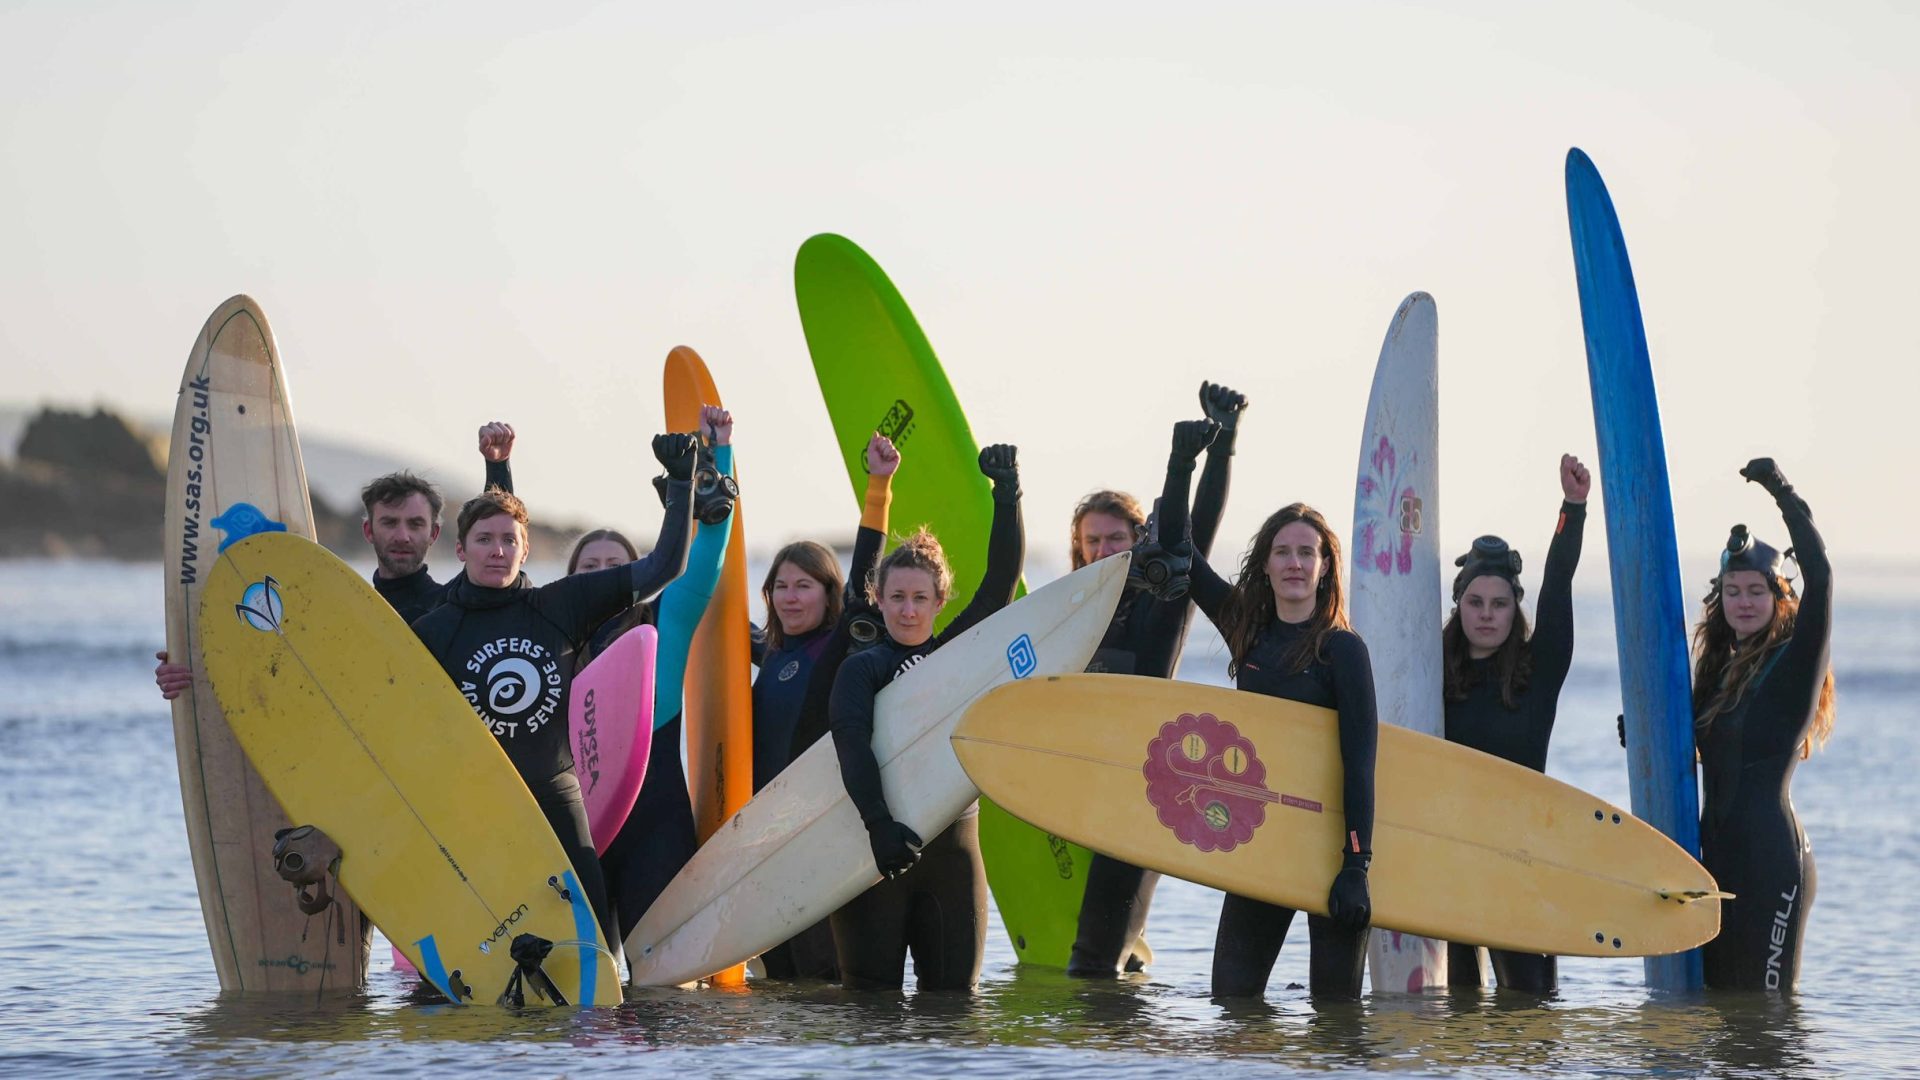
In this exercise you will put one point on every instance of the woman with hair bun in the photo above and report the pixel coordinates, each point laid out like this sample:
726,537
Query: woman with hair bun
1762,700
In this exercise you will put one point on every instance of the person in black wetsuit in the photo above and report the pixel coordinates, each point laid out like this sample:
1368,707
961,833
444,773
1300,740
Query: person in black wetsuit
402,522
933,902
805,598
1762,699
1285,626
511,647
1503,686
1145,638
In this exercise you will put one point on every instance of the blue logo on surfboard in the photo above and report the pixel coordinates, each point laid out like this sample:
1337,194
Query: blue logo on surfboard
243,520
260,605
1020,657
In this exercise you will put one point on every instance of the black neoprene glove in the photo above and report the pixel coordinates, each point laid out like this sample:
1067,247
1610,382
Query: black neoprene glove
895,847
1189,438
1000,463
1763,471
676,451
1223,405
1349,904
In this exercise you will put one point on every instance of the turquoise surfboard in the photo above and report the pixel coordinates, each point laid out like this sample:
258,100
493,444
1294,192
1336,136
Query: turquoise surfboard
1649,608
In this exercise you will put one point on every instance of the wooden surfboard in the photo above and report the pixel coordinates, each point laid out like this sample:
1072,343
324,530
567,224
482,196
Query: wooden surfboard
1396,576
235,465
358,731
1241,792
798,851
1649,608
719,679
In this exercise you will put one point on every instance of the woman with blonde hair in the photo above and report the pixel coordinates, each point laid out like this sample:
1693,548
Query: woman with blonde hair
1762,700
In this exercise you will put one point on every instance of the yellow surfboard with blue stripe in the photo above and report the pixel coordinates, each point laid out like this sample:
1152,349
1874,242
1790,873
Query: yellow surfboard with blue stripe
357,730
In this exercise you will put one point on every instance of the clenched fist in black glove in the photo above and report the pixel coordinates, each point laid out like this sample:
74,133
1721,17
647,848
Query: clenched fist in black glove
1349,903
895,847
1190,437
1000,463
676,451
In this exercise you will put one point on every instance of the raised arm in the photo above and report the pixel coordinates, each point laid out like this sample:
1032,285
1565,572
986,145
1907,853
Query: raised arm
882,462
668,559
1553,615
1223,406
496,446
684,601
1802,667
1164,620
1006,542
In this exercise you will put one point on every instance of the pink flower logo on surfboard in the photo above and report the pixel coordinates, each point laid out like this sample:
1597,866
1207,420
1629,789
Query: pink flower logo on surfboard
1390,513
1206,782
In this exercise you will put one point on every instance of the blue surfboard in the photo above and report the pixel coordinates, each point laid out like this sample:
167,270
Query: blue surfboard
1649,609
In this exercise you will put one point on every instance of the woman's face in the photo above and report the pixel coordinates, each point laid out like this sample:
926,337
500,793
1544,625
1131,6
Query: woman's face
1746,599
1295,567
909,604
799,600
1486,614
600,554
493,550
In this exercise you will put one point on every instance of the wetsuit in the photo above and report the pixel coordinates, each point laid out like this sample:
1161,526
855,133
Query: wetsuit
937,909
1750,838
1251,932
417,593
513,651
1520,734
658,836
781,696
1144,638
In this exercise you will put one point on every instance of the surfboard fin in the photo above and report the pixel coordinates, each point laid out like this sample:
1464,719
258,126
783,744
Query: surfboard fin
1694,896
528,953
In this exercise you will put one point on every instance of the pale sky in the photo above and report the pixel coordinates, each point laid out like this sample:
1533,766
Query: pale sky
467,211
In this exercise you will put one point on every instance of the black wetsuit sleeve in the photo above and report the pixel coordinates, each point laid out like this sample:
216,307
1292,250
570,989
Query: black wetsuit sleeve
850,713
866,555
1209,590
756,643
1552,641
1006,554
1163,624
1359,734
1210,501
668,559
1791,695
499,475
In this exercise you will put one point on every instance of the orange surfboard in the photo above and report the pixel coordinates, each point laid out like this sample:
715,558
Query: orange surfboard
719,680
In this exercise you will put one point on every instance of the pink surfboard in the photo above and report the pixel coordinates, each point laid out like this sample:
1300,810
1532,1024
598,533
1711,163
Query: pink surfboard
610,726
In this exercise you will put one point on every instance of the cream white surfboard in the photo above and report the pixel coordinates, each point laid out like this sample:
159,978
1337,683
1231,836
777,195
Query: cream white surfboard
1395,582
234,469
798,851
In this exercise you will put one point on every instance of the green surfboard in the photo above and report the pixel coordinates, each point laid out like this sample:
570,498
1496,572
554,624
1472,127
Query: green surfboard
878,373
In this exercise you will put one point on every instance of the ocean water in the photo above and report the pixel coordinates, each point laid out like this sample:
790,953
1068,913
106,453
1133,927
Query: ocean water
105,956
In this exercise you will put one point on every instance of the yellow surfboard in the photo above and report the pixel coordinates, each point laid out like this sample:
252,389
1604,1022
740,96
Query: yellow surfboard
719,682
235,466
357,730
1241,792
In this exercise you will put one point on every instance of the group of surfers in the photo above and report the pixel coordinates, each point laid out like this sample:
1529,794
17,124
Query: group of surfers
1762,690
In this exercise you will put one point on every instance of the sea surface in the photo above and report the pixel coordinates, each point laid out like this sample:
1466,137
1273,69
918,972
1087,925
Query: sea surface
105,967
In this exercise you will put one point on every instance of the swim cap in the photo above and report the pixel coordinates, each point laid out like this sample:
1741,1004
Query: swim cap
1489,555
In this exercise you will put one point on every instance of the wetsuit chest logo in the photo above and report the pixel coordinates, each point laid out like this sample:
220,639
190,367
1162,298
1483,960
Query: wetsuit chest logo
788,672
515,686
1207,784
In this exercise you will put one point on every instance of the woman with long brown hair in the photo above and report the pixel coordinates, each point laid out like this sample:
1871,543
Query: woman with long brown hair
1762,700
1285,625
1503,684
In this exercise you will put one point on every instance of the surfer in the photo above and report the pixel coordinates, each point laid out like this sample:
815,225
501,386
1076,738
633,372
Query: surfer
804,645
511,647
933,902
1503,685
1145,638
1762,700
402,522
658,836
1285,626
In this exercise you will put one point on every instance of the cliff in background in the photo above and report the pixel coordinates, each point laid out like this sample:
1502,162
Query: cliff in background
93,485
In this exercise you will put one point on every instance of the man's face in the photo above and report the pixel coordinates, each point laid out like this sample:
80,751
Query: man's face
401,532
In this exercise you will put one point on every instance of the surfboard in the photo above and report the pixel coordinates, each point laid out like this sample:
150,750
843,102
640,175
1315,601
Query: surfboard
357,731
1242,792
1649,608
235,460
798,851
1396,575
719,680
610,722
878,372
